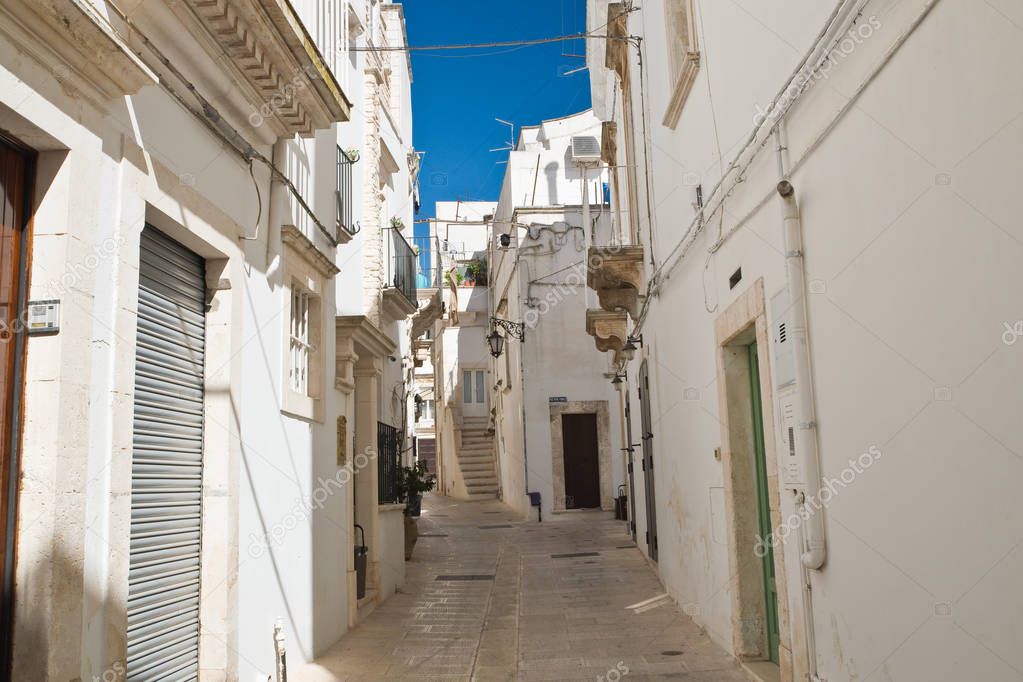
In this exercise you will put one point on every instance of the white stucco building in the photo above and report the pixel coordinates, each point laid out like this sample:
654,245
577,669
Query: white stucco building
556,414
820,255
232,306
458,255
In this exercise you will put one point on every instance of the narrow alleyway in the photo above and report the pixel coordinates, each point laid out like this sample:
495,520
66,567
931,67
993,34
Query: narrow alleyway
491,598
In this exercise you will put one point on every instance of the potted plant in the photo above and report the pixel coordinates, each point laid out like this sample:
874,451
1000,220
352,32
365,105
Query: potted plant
476,270
413,481
397,223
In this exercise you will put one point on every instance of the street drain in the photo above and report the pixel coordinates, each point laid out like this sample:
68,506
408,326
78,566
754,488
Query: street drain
572,556
671,652
625,546
447,578
500,525
433,535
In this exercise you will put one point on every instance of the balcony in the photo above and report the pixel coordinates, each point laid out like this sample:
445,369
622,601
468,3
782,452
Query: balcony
616,274
274,61
608,329
428,284
399,297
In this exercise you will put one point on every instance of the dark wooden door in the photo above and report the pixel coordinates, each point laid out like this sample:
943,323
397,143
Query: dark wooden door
13,177
582,468
648,460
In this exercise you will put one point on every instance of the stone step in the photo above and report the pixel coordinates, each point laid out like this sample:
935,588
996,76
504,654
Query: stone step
482,465
474,497
477,451
476,476
475,459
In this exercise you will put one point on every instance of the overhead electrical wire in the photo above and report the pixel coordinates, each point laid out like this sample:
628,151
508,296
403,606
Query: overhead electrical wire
472,46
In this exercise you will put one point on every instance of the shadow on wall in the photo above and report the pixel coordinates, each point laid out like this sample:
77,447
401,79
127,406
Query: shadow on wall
31,659
551,171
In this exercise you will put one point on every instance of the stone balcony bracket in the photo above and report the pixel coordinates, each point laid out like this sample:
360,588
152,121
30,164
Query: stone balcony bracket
608,329
616,274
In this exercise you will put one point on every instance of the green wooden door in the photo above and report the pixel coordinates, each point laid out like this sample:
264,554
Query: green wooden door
763,506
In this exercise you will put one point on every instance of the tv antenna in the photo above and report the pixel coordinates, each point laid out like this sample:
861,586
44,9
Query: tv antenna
509,145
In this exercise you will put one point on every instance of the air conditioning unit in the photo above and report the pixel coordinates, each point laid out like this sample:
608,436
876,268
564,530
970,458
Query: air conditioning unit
585,150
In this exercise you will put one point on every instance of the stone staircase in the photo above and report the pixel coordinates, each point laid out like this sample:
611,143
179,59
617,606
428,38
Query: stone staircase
476,459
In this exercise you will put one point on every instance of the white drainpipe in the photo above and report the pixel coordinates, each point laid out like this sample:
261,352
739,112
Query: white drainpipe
811,531
806,426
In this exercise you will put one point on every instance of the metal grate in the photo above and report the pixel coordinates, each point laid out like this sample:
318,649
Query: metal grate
404,274
344,195
464,577
388,454
574,555
167,460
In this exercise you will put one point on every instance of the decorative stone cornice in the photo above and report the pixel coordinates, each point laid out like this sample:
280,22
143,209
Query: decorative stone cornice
616,274
368,338
76,44
394,305
428,313
303,246
608,329
359,348
275,61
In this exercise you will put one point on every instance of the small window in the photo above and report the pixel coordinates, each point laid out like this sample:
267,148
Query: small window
467,386
301,348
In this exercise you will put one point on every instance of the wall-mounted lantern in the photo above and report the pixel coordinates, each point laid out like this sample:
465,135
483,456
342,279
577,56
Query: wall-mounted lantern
629,349
496,340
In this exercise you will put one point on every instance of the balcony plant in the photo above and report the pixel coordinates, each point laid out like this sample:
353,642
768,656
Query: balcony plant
476,272
413,481
397,223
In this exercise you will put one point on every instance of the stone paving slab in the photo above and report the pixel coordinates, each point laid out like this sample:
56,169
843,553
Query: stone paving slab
539,618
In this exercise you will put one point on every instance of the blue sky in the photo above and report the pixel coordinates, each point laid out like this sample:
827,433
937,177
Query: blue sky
456,95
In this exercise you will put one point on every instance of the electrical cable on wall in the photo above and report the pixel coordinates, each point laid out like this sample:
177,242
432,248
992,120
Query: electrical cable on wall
211,118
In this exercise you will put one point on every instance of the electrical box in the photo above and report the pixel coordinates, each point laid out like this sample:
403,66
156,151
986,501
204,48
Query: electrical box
43,317
781,318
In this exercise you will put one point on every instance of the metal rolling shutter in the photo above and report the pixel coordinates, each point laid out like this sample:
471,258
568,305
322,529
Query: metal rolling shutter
163,578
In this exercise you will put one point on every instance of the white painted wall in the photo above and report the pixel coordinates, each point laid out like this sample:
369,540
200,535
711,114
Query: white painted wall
911,242
277,524
540,208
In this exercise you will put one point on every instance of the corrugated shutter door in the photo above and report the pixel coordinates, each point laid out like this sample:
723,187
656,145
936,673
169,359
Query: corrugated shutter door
163,578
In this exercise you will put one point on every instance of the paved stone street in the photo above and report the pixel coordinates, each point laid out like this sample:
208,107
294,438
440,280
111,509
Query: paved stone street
490,598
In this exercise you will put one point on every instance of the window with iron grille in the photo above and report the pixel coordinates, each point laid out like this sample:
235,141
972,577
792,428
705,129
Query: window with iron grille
345,199
388,461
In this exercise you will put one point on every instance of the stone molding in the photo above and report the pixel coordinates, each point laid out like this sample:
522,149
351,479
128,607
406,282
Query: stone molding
274,59
608,329
616,274
77,44
304,247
